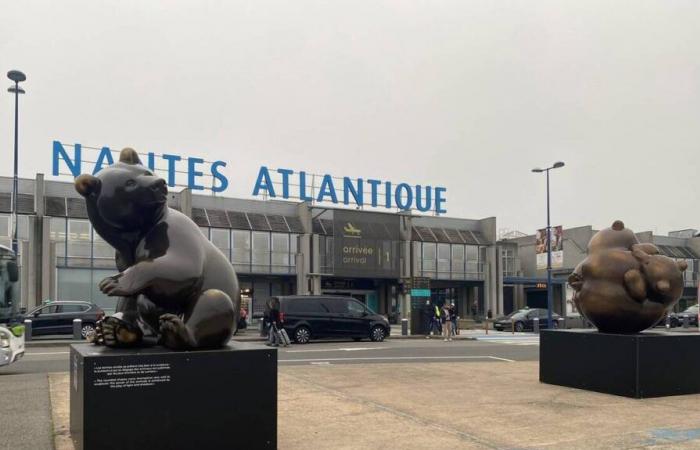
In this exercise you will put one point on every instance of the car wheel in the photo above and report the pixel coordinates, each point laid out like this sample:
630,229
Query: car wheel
519,327
377,334
302,335
87,330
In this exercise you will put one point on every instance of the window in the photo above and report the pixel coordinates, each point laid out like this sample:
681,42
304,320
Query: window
79,243
4,226
280,252
51,309
336,305
443,261
305,305
458,261
429,259
473,266
72,308
241,249
261,251
221,237
355,308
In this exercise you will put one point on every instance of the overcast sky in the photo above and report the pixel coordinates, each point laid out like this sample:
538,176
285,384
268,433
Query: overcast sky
469,95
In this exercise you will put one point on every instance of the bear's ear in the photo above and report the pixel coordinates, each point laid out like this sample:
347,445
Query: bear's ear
682,265
618,225
129,156
87,184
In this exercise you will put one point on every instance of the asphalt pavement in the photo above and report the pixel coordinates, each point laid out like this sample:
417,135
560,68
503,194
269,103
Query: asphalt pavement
507,348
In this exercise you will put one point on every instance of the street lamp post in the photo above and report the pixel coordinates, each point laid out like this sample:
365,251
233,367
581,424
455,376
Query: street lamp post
17,77
556,165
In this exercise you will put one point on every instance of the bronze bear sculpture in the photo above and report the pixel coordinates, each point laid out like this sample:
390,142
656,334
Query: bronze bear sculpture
174,286
624,286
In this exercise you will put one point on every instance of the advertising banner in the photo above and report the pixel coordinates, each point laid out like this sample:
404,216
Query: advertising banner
365,244
557,247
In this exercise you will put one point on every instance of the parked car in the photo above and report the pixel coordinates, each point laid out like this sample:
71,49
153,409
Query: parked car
322,316
523,320
676,319
57,317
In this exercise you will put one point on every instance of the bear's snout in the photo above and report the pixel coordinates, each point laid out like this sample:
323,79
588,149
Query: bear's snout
663,286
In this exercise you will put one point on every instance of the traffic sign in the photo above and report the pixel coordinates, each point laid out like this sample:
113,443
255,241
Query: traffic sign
420,292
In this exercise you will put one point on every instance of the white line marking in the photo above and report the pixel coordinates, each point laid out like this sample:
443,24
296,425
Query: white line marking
345,349
395,358
51,353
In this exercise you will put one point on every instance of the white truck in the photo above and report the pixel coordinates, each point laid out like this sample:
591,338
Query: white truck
11,331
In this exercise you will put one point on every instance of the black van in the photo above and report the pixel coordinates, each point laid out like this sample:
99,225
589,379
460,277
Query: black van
307,317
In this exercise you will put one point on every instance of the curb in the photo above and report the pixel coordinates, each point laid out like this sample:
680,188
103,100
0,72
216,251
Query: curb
52,343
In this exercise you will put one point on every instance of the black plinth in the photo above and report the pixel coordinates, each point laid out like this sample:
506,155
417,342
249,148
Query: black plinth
648,364
159,399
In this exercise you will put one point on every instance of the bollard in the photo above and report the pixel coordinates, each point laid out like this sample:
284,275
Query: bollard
27,330
562,323
77,329
404,327
486,326
686,321
668,321
262,328
512,326
536,325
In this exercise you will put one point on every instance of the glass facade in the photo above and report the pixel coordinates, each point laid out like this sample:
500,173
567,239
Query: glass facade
261,252
510,262
449,261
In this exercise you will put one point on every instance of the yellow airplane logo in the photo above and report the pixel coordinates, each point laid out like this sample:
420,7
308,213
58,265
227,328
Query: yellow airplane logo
351,231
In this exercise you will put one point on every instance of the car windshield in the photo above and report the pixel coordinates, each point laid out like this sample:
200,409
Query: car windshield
692,309
518,314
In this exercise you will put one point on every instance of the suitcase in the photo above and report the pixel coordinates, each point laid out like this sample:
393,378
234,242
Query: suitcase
282,336
285,337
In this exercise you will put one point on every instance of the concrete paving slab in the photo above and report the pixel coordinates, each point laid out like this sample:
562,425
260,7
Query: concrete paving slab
493,405
26,419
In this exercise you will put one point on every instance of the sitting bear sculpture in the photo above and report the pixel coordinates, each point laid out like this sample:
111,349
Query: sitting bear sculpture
174,286
624,286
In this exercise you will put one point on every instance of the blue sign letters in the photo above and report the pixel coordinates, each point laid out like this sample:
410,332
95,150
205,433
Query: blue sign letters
74,165
402,196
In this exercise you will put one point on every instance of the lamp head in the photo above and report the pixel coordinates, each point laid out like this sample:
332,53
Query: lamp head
16,89
16,76
558,164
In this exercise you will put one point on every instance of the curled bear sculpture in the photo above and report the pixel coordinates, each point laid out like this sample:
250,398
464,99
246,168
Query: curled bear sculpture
174,287
624,286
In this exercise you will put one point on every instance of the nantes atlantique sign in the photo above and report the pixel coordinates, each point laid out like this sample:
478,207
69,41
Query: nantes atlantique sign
279,183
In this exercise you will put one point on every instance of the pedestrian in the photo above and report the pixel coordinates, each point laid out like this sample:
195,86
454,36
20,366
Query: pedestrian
453,316
433,319
475,308
446,322
273,317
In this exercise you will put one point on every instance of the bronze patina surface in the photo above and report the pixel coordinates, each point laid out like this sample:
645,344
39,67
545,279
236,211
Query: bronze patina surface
624,286
174,286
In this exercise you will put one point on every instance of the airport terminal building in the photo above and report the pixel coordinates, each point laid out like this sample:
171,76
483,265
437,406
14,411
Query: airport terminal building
277,247
296,247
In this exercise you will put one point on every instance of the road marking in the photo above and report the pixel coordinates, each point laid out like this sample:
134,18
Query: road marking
344,349
394,358
321,363
51,353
